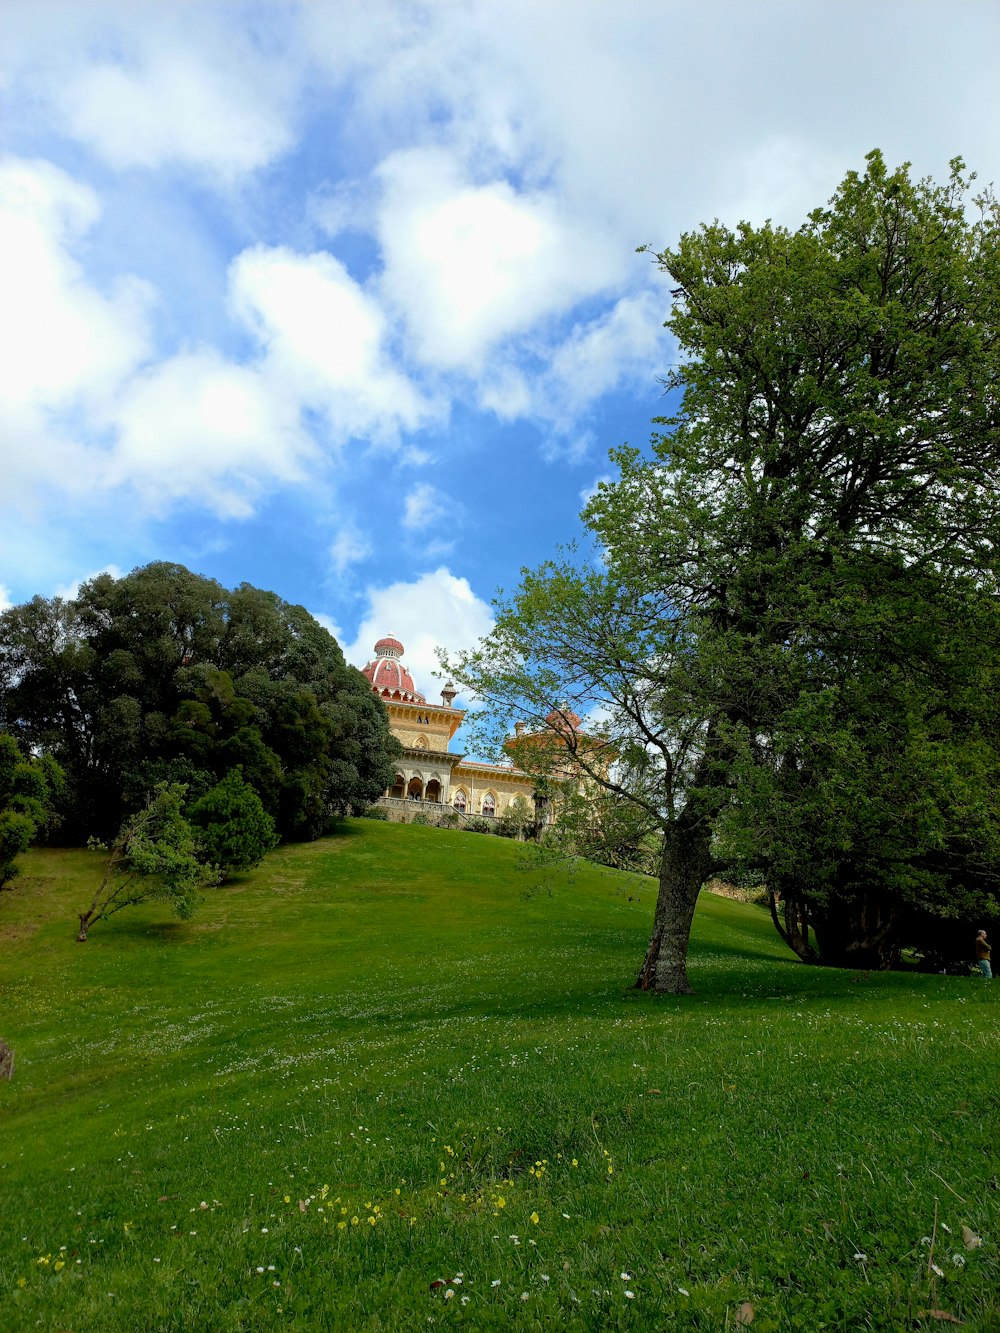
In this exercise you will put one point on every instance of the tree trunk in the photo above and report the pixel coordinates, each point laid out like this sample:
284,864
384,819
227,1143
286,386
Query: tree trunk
84,927
795,931
685,864
858,932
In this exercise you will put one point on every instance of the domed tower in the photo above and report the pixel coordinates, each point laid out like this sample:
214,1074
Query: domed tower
424,730
388,676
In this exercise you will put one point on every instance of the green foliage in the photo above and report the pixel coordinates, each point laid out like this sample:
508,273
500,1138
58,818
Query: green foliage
165,676
516,820
153,858
29,791
791,631
236,832
476,824
375,812
824,501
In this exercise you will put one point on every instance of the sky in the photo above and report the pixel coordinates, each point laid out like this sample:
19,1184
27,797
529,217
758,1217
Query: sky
341,298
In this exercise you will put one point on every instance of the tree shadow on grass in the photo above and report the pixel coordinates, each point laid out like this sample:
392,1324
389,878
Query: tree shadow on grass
700,951
158,932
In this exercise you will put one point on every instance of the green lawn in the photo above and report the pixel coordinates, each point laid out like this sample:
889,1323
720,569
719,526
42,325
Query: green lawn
388,1081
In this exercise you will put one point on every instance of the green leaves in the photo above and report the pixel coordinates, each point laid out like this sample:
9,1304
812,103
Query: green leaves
790,629
29,790
236,832
164,675
153,858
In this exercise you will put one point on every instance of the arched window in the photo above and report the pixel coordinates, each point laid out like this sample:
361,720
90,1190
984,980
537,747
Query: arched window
460,801
433,792
415,791
398,787
420,743
489,804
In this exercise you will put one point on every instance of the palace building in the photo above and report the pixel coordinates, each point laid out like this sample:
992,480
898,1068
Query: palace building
429,770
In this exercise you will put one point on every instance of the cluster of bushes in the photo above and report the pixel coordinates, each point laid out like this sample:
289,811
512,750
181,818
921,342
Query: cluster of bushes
171,849
30,789
167,677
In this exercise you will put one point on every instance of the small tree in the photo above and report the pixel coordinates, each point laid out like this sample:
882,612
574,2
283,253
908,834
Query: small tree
516,820
153,858
235,831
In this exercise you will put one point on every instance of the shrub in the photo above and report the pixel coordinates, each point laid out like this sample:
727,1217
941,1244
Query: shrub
28,788
479,825
374,812
236,832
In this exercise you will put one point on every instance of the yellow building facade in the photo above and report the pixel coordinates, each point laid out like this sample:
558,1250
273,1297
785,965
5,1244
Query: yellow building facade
430,771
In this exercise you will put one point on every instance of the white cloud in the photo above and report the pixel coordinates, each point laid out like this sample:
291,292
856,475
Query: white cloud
471,264
5,598
348,547
424,505
413,456
783,177
79,412
327,338
626,344
202,428
65,346
437,610
330,624
588,492
59,336
147,86
67,591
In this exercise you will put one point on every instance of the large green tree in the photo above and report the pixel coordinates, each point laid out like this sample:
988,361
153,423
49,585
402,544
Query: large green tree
809,547
165,676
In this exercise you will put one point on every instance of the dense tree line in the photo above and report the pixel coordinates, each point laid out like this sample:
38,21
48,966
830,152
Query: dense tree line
164,676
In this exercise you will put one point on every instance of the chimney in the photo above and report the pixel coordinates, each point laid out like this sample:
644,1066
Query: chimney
448,694
519,728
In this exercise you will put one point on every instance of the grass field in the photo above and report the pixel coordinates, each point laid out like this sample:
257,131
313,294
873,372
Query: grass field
389,1082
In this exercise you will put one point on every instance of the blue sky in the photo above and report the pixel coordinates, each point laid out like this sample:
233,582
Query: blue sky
342,299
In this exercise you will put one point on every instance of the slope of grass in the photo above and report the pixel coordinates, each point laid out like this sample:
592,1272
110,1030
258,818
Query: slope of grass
389,1080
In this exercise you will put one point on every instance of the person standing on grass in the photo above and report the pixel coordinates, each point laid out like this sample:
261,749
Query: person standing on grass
983,955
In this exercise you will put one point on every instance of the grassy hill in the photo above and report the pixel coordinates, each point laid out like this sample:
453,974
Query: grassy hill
391,1079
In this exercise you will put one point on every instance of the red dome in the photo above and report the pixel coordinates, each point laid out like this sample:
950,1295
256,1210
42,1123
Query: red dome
561,718
390,646
387,674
